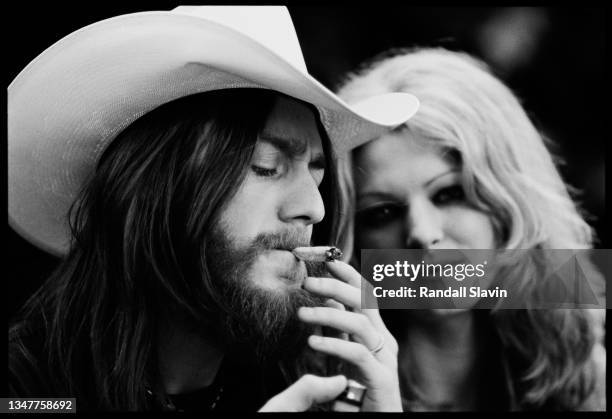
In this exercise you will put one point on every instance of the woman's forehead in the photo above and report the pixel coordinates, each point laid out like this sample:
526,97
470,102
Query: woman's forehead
400,160
398,149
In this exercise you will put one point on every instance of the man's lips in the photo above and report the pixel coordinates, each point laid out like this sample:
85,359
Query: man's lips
280,253
285,264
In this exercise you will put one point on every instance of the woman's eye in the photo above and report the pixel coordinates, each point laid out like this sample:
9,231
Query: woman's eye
379,215
448,195
264,171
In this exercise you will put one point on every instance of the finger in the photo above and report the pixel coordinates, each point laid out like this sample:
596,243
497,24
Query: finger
352,352
356,324
336,305
344,272
374,315
349,275
308,390
333,288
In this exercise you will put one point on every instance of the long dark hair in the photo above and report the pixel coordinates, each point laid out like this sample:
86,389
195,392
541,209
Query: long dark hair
139,244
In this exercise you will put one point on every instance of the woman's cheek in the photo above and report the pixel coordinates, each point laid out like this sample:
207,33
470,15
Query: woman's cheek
470,228
388,237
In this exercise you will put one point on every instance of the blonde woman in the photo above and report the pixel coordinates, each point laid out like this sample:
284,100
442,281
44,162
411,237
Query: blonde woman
470,171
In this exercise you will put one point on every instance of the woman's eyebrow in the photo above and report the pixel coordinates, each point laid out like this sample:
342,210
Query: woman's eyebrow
436,177
377,195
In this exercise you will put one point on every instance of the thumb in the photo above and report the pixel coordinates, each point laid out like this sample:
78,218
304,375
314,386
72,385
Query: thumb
308,390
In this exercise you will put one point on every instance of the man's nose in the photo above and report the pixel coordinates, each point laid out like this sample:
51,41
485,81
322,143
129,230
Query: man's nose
424,228
303,203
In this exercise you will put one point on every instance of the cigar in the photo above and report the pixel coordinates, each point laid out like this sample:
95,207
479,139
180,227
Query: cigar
317,253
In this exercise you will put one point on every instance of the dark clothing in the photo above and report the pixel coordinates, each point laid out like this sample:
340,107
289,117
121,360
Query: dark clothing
240,385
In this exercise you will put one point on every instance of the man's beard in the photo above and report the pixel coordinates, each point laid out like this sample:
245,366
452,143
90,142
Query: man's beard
251,316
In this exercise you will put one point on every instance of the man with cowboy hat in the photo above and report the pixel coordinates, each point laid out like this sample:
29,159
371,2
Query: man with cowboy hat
173,159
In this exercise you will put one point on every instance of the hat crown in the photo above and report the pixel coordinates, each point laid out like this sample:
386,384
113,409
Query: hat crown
270,25
74,98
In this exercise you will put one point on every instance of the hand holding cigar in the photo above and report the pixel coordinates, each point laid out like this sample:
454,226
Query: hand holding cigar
352,397
369,353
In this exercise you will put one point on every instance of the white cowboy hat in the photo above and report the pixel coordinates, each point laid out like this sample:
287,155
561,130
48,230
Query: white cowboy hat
70,102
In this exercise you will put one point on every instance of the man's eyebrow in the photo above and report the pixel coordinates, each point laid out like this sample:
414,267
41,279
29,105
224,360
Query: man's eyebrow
292,147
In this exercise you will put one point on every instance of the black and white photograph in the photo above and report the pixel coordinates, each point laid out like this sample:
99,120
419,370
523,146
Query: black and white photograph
235,208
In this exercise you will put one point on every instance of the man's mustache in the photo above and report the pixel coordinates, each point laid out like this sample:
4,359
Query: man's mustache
288,240
284,240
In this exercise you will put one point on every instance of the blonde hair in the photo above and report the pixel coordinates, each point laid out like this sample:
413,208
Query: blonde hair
509,173
508,165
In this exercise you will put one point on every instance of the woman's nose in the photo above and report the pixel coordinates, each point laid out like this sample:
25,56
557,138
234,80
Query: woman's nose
423,226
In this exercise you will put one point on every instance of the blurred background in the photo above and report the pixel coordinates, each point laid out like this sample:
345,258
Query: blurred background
552,58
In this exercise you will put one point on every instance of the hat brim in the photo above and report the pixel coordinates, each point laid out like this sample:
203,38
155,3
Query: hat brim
69,103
